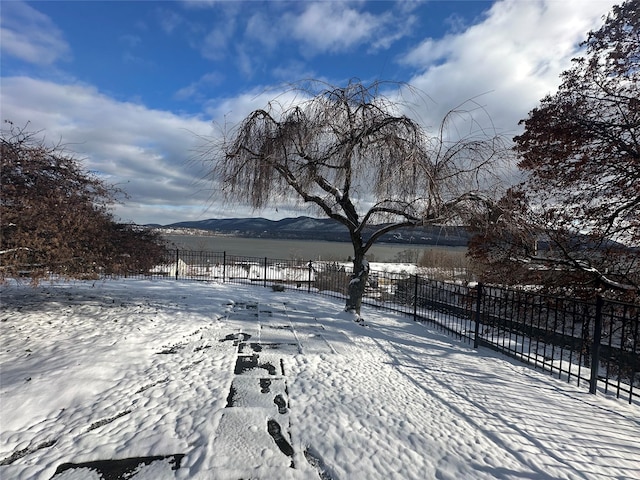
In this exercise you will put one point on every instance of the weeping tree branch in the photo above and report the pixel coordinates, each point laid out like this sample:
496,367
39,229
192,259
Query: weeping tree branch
351,154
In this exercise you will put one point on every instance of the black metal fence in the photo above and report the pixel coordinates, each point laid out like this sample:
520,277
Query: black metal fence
591,342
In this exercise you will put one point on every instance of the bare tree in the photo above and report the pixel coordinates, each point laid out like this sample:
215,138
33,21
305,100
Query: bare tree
55,217
581,151
351,153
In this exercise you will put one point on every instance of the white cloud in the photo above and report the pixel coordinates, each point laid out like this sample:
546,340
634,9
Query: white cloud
231,111
516,54
333,26
222,28
215,45
31,36
149,153
247,34
169,20
196,90
293,69
316,27
263,30
153,155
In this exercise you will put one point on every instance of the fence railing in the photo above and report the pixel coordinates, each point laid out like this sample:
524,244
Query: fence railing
595,342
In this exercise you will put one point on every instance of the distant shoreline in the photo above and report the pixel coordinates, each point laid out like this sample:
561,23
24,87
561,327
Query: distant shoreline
308,249
408,242
309,228
164,231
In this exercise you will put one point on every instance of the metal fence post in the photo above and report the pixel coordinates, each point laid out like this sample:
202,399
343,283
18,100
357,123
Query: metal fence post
478,316
177,261
415,298
595,347
310,272
224,267
265,271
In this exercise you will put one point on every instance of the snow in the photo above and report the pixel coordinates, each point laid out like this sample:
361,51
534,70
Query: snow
246,382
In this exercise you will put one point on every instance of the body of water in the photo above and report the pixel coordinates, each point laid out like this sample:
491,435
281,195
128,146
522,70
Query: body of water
306,249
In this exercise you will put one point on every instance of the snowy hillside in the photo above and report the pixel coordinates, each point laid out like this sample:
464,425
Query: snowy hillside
195,380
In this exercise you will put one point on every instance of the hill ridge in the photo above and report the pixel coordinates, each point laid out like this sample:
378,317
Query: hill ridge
310,228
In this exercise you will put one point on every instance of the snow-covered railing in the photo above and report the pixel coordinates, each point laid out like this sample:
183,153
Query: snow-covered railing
596,343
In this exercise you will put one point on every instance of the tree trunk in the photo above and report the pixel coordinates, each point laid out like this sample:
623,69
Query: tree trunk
359,278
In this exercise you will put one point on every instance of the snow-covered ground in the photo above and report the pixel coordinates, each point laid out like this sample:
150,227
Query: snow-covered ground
232,382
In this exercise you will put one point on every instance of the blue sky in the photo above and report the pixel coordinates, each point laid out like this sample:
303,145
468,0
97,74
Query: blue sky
131,87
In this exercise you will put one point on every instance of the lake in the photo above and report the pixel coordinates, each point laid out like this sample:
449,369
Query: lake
306,249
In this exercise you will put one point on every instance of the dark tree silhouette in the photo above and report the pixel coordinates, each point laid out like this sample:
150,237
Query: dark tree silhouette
55,217
351,153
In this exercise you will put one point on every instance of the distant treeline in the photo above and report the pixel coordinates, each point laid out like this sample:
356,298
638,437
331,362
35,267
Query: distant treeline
307,228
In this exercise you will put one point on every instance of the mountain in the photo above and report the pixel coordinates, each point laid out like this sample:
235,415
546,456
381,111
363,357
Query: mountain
308,228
